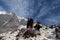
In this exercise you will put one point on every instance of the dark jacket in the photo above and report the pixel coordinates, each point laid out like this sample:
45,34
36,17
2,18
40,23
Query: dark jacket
29,22
37,26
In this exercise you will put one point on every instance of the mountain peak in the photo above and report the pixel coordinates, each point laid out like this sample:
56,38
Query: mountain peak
4,12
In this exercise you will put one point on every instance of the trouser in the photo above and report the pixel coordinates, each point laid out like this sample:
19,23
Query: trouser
37,29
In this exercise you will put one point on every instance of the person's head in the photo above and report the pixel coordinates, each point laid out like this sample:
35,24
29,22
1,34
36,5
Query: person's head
31,17
58,26
38,22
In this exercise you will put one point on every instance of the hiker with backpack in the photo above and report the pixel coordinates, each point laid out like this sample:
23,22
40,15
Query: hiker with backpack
30,23
30,31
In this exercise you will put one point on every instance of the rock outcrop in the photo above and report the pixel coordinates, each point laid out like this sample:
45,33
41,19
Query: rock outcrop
8,22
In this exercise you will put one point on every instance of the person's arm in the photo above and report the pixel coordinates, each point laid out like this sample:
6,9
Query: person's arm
34,26
40,25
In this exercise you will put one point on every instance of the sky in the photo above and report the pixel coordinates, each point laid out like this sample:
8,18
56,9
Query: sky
45,11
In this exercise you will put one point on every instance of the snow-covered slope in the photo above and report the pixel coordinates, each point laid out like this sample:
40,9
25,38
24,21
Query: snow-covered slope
10,19
46,34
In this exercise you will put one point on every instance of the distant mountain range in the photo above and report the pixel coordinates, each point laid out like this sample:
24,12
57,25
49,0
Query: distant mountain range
9,21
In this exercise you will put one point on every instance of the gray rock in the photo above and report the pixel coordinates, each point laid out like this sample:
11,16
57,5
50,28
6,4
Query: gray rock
8,22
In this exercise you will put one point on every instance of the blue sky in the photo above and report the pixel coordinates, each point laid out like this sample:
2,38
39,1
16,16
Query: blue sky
45,11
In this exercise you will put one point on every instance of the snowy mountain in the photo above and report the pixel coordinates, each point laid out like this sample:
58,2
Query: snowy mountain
22,20
9,21
10,25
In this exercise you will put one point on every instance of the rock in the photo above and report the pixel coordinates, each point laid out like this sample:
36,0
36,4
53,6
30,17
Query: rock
8,22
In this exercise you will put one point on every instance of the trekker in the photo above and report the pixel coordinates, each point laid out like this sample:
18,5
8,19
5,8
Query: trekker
51,26
30,23
30,31
57,30
37,26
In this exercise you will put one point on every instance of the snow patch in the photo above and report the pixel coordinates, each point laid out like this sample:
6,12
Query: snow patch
3,12
21,18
